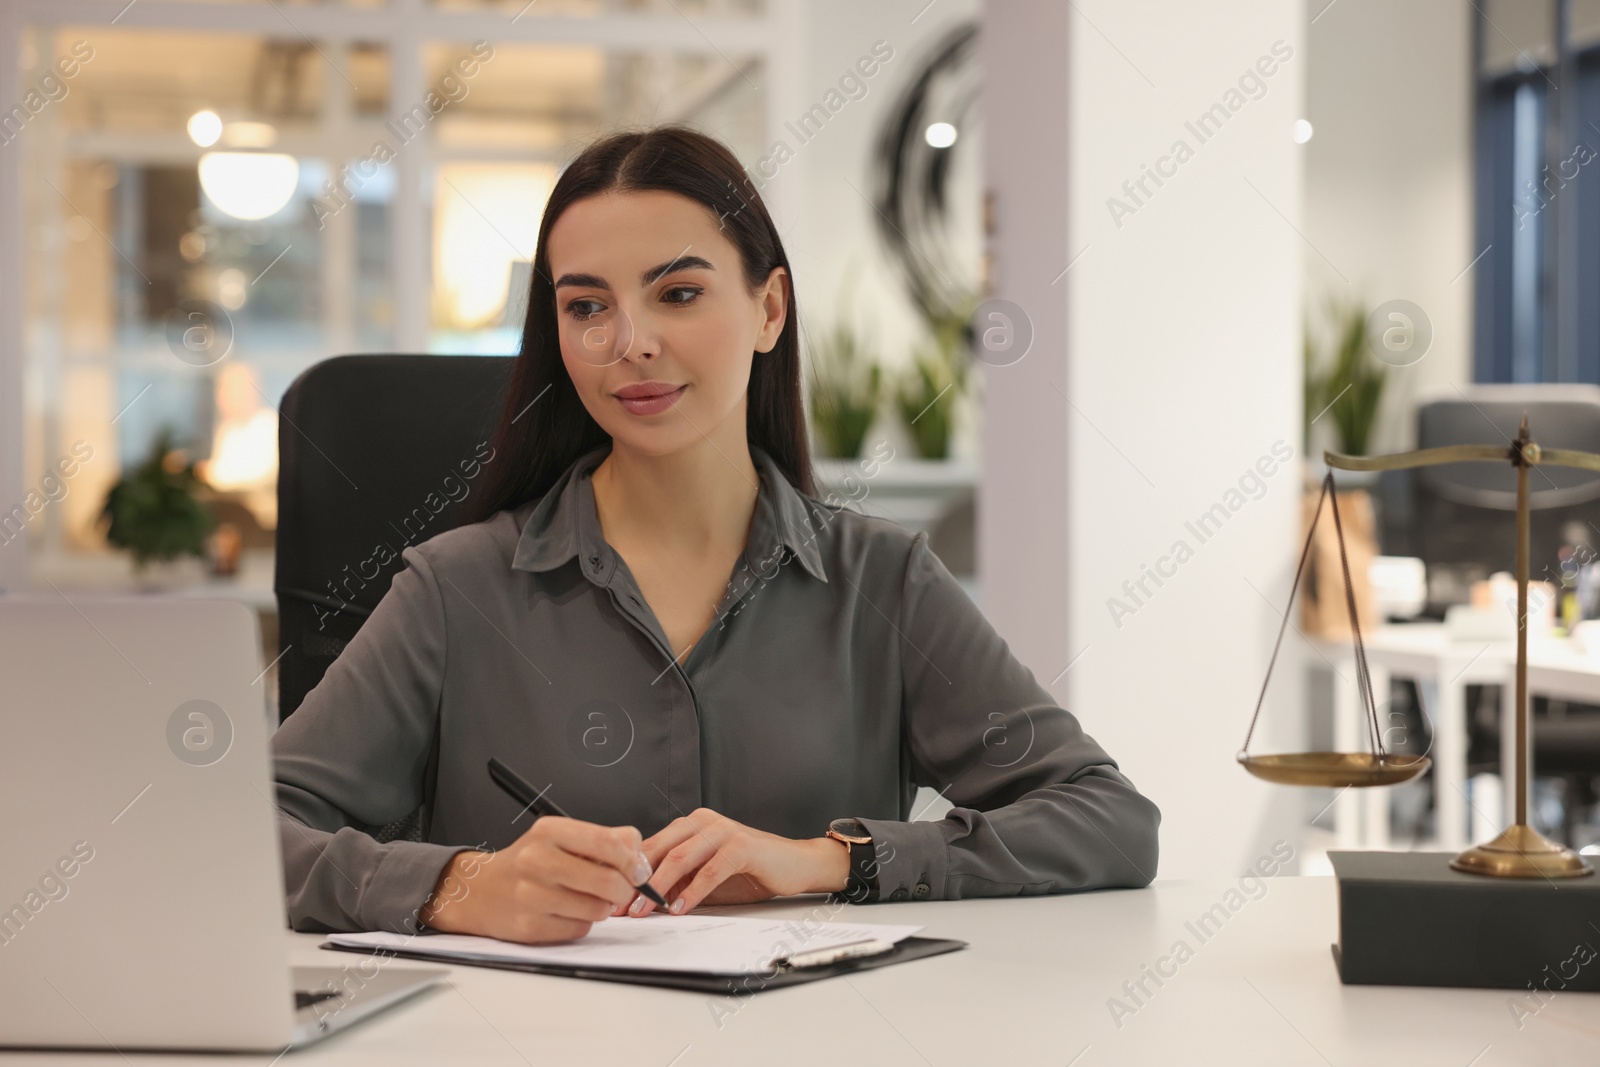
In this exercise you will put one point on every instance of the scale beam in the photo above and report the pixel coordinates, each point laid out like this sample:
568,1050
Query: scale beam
1429,457
1426,457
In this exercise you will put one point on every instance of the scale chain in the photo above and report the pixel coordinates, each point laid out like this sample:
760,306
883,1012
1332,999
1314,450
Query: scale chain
1363,677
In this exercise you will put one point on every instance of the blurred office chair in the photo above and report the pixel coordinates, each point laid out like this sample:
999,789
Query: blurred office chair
375,453
1459,518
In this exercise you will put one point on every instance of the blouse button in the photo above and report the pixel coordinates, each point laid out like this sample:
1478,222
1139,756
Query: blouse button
921,890
899,894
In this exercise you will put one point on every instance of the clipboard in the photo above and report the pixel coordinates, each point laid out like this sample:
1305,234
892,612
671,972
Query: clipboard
909,948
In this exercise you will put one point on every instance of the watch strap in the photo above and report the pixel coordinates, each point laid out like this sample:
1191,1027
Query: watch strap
861,886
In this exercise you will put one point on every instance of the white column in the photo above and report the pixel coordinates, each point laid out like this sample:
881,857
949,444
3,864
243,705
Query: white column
1165,367
1022,536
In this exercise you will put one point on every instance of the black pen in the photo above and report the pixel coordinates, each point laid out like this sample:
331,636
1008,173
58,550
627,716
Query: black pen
519,790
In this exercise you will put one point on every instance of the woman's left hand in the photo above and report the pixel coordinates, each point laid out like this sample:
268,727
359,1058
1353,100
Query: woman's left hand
708,858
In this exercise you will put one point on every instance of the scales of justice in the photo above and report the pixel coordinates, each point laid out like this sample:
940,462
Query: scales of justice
1520,851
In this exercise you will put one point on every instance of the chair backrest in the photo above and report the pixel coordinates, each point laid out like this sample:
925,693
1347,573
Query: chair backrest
1463,513
375,453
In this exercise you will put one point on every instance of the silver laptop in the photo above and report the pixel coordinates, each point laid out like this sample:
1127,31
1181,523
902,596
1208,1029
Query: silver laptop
141,886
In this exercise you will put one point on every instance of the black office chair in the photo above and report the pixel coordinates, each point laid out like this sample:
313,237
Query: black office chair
375,453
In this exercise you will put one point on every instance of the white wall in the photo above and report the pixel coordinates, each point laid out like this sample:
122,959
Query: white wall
833,234
1166,364
1388,186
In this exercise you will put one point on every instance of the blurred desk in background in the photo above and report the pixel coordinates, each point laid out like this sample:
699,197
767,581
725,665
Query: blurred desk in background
1442,667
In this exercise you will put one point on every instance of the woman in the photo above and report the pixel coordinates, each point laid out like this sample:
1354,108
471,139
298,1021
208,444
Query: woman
655,621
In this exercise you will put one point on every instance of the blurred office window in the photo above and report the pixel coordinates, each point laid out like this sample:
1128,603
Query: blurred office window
208,213
1538,191
498,150
486,224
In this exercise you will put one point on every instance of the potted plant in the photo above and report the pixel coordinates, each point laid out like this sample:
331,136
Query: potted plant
926,398
846,386
1351,386
929,391
154,510
1348,392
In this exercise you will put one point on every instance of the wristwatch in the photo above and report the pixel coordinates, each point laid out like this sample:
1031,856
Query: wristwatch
862,884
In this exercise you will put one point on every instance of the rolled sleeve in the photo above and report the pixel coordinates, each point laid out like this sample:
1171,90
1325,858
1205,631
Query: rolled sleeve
1038,805
355,755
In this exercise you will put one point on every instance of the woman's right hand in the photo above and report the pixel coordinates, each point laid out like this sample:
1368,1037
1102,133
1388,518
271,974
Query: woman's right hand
551,884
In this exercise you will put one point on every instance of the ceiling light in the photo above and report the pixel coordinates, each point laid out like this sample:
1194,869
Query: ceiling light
249,185
204,128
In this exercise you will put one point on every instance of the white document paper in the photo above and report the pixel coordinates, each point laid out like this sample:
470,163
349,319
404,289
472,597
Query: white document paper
702,944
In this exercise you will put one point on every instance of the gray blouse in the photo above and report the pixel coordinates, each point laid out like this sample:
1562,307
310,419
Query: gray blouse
845,666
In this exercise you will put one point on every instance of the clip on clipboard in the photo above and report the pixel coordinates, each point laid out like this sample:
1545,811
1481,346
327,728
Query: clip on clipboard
821,957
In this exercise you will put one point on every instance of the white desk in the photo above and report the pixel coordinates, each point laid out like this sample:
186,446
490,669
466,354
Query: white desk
1032,987
110,574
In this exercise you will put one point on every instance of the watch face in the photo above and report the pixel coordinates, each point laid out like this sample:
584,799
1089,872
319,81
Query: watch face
851,830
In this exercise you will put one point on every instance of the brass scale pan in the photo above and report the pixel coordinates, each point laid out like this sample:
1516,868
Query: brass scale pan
1377,767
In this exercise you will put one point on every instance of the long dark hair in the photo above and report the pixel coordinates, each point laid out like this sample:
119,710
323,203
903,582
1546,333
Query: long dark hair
539,436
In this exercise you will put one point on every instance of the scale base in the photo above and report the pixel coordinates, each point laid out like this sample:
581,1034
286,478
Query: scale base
1522,852
1409,919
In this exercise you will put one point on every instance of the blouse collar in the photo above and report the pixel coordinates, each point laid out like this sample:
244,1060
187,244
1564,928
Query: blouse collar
565,524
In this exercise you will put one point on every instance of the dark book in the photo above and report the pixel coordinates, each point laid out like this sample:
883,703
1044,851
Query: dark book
1406,918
